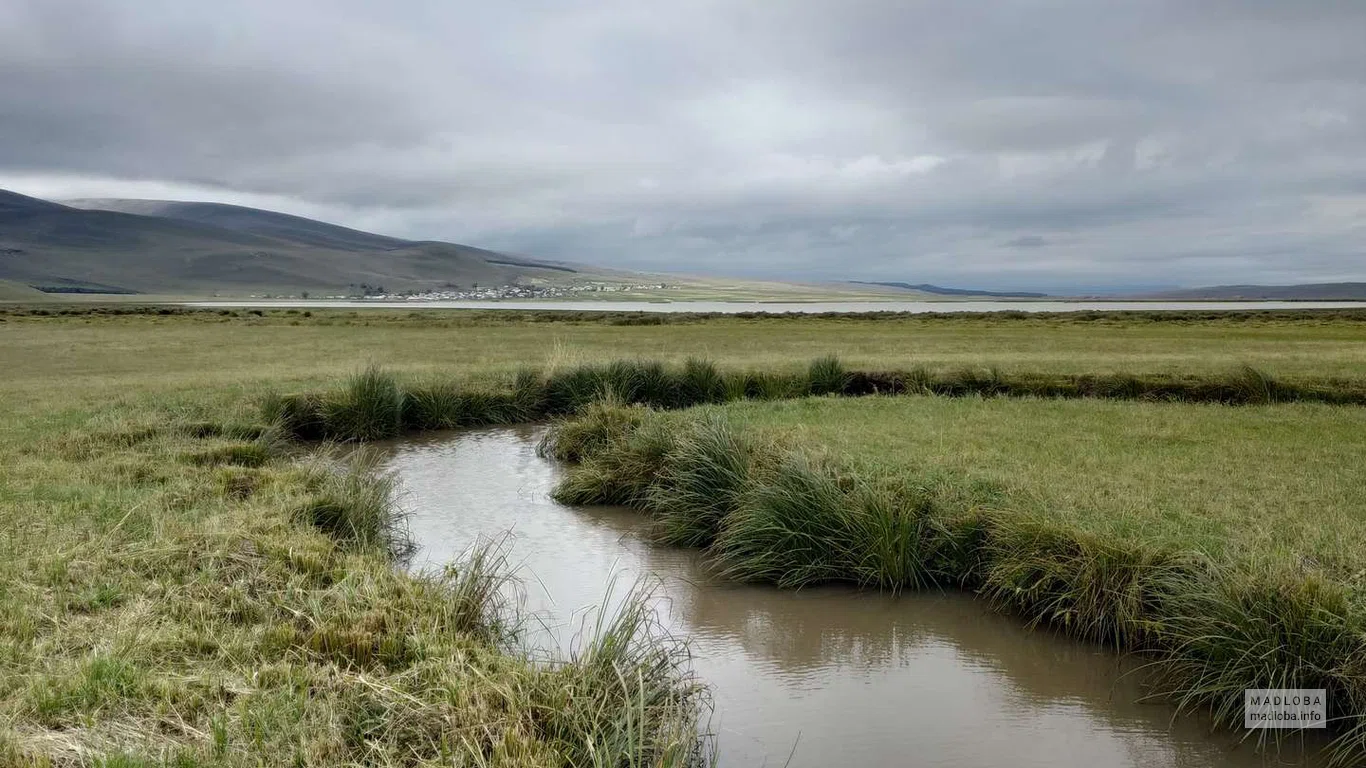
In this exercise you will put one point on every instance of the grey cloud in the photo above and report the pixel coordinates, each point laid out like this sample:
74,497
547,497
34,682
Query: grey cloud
872,139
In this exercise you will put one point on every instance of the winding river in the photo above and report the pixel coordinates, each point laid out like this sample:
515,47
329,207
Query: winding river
817,677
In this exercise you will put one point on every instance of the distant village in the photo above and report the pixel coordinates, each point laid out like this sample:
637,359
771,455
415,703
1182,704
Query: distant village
480,293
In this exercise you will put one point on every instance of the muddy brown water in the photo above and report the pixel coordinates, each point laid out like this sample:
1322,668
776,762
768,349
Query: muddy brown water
816,677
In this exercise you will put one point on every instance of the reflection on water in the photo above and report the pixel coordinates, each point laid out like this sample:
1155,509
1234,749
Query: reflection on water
829,676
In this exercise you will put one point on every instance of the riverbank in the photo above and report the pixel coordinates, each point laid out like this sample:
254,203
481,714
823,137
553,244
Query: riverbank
1144,537
181,584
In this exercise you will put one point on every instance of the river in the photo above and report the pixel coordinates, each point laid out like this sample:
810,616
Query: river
820,677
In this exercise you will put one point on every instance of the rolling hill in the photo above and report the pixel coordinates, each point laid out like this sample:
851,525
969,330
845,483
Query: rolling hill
149,246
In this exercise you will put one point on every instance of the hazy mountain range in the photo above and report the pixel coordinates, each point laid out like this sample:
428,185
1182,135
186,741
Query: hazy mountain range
151,246
939,290
193,248
1303,292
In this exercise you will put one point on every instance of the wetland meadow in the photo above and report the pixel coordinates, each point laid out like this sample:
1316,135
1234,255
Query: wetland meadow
367,536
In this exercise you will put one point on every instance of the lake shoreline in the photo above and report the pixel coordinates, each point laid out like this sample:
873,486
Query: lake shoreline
795,307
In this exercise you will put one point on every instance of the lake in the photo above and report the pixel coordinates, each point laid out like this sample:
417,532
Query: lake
735,307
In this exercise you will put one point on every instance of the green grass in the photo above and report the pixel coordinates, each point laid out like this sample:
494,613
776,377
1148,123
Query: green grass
1282,482
89,353
374,404
179,584
147,616
1226,541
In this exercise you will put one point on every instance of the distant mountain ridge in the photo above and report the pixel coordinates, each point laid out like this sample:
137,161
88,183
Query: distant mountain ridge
941,291
162,246
242,219
1301,292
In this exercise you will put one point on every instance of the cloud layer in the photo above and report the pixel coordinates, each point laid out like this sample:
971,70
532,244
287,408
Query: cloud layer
1014,144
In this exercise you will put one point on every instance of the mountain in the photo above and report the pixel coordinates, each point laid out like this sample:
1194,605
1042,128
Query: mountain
1302,292
157,246
939,291
253,220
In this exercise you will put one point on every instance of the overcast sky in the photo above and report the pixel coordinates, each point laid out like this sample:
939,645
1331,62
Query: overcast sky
1011,144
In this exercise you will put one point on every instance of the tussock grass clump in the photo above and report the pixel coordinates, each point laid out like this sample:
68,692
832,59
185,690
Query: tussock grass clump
1253,386
369,407
590,433
477,587
765,385
826,376
1224,629
623,471
788,530
700,382
639,382
237,485
434,406
231,430
354,504
628,697
297,414
701,481
809,524
1091,587
529,394
566,391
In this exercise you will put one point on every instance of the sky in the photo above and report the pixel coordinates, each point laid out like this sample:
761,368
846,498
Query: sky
1015,144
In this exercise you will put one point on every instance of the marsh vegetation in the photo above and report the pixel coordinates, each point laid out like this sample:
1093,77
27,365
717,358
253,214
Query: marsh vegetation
187,579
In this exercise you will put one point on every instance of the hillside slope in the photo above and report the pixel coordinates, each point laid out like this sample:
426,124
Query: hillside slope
122,246
296,229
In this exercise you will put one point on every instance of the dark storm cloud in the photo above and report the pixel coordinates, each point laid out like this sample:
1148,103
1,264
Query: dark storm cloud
1025,142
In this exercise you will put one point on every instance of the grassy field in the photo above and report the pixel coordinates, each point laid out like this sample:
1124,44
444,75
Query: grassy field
159,353
1279,482
181,582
